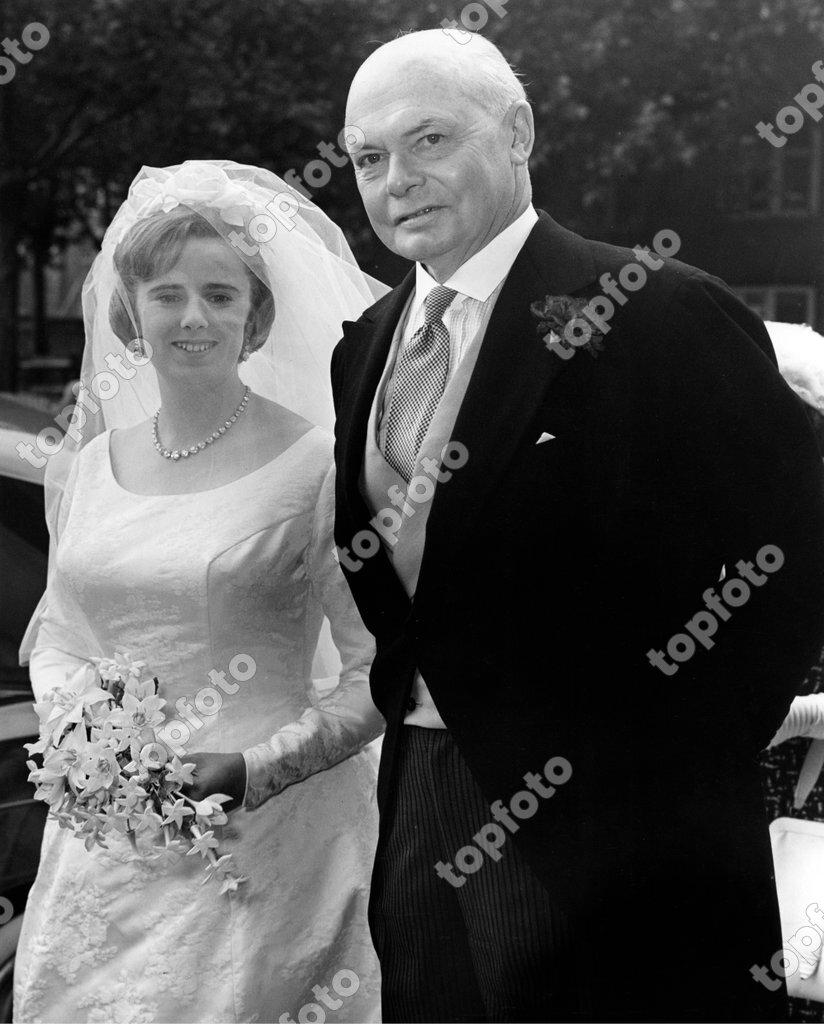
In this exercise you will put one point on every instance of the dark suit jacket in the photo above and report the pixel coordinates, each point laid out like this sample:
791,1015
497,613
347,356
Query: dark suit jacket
550,570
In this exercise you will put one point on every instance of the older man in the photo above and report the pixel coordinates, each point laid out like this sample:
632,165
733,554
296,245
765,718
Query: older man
592,557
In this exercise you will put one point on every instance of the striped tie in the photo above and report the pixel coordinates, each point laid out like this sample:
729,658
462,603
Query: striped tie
420,378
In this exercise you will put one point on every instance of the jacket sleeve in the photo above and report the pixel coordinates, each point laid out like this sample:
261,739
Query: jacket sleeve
748,452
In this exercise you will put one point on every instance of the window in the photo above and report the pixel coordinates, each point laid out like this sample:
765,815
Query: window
772,181
787,303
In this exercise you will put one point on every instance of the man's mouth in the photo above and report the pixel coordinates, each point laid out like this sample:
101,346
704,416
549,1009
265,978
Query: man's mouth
193,346
406,217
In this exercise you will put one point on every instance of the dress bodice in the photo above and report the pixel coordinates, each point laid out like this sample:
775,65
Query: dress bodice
236,566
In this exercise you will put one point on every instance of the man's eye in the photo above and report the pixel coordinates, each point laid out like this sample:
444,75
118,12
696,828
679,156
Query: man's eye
368,159
433,138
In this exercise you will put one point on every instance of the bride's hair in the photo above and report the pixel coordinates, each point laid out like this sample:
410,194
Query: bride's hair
152,246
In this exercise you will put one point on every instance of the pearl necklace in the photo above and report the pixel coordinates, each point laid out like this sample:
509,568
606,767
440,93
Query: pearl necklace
186,452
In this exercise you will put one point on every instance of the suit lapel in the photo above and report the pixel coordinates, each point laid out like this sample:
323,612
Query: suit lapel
371,340
512,375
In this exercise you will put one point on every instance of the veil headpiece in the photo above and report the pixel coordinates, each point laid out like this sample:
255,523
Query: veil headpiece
283,238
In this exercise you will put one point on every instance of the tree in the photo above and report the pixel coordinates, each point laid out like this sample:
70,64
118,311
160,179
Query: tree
627,95
122,83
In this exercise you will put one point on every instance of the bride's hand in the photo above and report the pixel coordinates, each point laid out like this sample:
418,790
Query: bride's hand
217,773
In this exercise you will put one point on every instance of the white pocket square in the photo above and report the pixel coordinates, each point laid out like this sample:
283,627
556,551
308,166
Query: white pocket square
545,437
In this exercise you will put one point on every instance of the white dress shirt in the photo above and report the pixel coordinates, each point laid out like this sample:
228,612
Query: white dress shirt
478,282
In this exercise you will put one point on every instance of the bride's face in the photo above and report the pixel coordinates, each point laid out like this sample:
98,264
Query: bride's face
194,315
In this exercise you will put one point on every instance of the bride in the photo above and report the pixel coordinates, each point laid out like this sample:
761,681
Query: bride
193,529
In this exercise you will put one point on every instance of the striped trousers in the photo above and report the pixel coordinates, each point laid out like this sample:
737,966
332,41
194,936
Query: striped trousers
490,947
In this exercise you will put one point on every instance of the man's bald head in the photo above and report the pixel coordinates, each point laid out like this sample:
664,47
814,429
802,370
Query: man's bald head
476,66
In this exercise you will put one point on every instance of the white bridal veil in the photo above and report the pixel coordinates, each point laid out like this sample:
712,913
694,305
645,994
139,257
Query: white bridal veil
278,233
284,239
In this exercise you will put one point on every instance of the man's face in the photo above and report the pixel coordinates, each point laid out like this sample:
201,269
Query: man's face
434,169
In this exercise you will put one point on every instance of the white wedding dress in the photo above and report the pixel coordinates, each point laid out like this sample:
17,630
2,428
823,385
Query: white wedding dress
188,582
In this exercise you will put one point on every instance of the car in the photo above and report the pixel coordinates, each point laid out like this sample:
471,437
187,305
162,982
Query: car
23,562
21,827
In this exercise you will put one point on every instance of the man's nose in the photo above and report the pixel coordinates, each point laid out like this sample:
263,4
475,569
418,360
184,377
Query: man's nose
402,175
194,314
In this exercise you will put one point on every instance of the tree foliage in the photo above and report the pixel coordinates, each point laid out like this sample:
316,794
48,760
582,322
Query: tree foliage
623,90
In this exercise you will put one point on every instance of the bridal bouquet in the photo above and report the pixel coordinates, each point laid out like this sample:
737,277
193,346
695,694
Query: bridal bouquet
105,772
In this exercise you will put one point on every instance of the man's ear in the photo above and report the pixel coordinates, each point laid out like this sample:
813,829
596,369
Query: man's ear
523,132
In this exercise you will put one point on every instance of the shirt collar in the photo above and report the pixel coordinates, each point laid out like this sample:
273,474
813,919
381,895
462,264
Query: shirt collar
482,273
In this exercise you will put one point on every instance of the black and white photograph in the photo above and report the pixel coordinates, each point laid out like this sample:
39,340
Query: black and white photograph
411,511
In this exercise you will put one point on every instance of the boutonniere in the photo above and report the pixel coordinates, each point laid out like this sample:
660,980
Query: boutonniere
563,325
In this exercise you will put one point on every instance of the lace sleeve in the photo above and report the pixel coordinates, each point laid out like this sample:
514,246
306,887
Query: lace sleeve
345,720
55,644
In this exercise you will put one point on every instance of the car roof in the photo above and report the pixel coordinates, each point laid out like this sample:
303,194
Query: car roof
20,413
13,464
20,422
